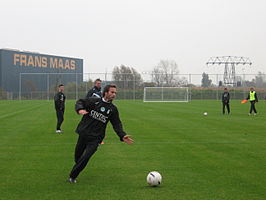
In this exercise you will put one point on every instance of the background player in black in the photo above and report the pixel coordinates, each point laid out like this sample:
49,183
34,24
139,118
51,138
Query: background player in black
97,112
96,90
225,100
59,102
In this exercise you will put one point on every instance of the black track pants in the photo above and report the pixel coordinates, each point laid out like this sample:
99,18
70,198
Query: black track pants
227,107
60,118
85,148
252,107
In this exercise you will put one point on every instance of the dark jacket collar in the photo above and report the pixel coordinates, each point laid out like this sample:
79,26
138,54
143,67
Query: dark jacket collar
98,89
103,100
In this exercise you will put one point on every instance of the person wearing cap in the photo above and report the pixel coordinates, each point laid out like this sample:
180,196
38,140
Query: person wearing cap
225,101
252,97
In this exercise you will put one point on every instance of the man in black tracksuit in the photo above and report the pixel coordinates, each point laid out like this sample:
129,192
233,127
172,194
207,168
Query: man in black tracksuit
96,90
59,102
225,100
97,112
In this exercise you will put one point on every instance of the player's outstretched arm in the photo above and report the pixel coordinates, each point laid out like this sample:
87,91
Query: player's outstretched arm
127,139
118,128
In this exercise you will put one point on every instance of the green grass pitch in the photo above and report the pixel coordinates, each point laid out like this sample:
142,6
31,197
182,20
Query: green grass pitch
214,157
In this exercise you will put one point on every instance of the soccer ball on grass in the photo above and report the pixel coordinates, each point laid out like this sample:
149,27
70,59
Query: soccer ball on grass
154,178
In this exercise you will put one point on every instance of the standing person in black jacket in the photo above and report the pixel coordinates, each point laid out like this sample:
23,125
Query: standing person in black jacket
96,90
225,100
59,101
97,112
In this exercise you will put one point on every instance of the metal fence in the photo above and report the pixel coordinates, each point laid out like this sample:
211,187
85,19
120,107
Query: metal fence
130,86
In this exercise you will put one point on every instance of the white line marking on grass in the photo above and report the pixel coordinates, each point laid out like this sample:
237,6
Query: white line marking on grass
19,111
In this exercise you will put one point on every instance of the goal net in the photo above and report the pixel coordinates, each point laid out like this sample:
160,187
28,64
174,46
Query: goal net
165,94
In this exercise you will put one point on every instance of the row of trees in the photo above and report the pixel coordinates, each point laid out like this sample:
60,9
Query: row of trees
126,77
165,74
259,81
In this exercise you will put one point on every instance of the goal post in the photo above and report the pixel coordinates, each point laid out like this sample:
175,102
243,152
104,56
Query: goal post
166,94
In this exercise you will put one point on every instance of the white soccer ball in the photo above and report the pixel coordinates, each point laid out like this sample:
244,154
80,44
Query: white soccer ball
154,178
205,114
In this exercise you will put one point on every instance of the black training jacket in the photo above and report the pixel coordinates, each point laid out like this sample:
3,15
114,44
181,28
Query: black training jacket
100,113
226,97
94,92
59,101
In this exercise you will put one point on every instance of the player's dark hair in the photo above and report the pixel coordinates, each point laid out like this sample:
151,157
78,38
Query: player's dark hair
225,88
107,88
60,85
97,80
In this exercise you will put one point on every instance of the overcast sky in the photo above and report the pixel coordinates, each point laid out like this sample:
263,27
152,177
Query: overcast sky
138,33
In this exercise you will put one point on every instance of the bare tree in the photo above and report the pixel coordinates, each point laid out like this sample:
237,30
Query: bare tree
157,76
126,77
165,73
205,81
182,82
260,80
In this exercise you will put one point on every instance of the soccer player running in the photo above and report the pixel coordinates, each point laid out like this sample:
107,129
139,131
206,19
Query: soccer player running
225,100
97,112
252,97
59,102
96,90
